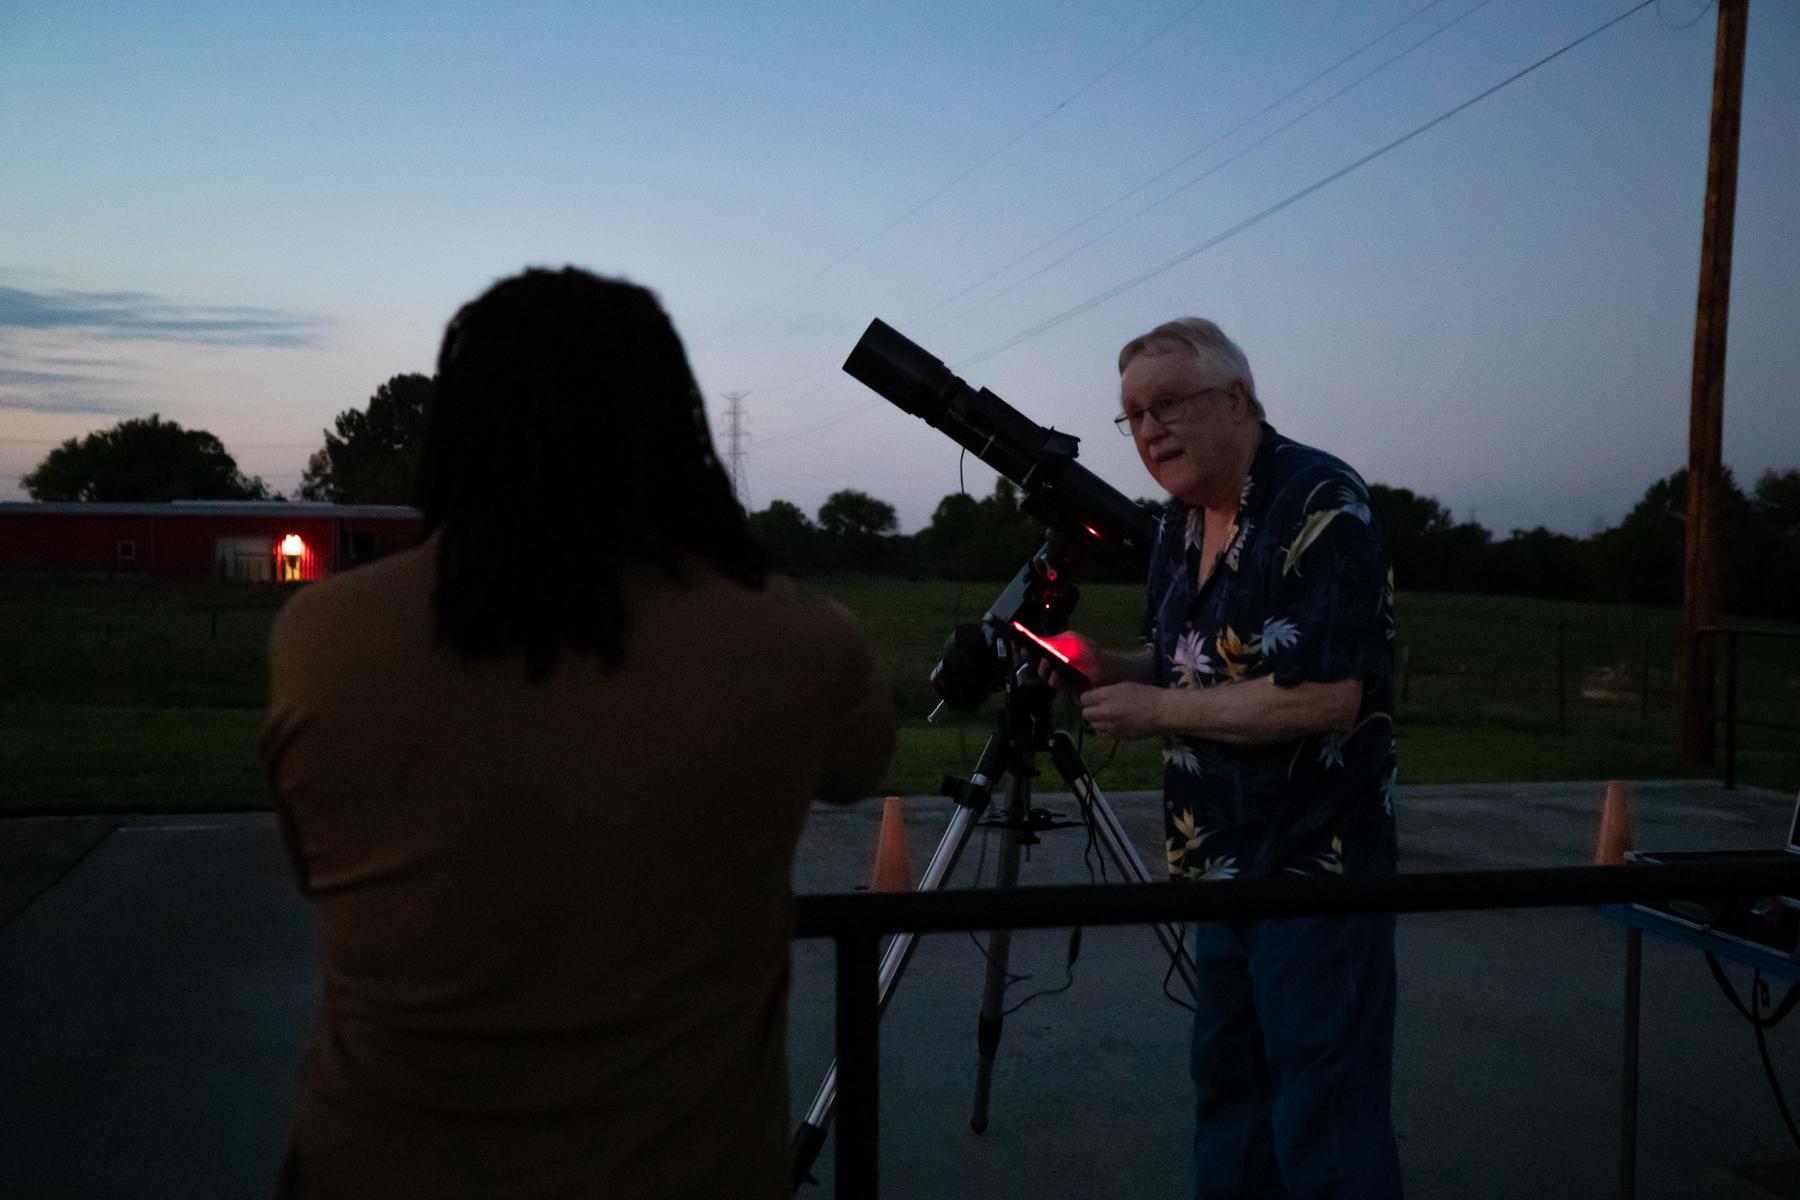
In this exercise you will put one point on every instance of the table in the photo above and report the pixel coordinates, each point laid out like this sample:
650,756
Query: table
1638,920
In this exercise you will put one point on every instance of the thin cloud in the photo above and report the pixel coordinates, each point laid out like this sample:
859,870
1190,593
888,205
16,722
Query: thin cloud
142,316
76,403
29,389
24,389
69,360
13,378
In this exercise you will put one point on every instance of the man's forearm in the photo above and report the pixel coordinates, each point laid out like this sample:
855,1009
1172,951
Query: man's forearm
1125,666
1258,713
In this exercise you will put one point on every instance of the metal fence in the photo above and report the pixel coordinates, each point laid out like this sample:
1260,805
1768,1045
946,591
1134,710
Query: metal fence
1612,677
1729,713
858,921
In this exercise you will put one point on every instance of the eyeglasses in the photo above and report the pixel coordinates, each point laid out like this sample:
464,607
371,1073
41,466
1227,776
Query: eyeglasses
1168,411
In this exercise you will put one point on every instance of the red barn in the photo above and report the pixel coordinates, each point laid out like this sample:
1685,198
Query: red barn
250,540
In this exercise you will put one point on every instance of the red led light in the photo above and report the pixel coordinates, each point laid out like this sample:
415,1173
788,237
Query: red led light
1095,532
1060,656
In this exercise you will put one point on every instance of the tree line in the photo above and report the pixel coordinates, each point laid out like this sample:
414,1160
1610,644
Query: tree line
1638,561
371,456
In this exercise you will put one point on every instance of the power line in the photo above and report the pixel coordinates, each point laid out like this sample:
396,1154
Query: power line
968,171
1176,166
1214,169
1688,24
1145,276
823,423
1265,110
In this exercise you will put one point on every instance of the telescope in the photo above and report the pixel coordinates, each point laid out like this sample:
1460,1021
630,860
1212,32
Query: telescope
1061,493
1084,517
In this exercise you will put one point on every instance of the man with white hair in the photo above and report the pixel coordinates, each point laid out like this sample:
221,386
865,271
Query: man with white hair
1268,673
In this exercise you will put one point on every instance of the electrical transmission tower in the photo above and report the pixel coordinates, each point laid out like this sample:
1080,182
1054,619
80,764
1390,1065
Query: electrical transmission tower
734,445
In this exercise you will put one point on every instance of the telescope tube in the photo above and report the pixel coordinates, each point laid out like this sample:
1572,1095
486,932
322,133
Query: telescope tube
1058,491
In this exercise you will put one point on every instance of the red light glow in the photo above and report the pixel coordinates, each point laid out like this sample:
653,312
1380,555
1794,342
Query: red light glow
1095,532
1057,654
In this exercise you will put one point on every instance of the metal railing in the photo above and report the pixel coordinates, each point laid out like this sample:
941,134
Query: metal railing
857,922
1730,717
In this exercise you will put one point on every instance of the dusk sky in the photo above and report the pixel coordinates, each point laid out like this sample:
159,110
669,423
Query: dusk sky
246,217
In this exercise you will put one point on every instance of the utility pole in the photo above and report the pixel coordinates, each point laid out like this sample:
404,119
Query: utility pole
1706,417
734,445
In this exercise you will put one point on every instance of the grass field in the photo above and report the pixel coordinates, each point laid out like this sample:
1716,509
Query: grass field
122,697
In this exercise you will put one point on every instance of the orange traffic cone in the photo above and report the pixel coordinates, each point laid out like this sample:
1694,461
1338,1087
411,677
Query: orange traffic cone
893,873
1615,827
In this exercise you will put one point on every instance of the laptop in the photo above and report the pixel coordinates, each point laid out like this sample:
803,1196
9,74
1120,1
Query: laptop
1770,923
1793,846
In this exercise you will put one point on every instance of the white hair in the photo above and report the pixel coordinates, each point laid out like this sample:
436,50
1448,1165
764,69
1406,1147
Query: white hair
1220,360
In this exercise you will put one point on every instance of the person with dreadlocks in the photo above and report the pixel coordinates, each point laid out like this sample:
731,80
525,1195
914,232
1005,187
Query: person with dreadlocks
542,778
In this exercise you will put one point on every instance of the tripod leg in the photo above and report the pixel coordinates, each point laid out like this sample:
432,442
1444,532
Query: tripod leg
1117,845
993,994
809,1138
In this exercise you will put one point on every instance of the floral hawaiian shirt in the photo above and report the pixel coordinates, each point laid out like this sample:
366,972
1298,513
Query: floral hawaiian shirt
1304,592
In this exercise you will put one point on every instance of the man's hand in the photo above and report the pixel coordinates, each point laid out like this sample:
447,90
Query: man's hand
1083,654
1125,710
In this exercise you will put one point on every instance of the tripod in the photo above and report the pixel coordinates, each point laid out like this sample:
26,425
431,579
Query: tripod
1024,730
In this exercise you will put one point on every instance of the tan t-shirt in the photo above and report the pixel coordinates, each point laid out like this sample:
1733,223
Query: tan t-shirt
554,920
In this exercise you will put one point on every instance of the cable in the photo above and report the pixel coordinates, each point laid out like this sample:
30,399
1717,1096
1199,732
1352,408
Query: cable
1144,277
1752,1012
1177,166
1724,982
1068,976
1085,799
1688,24
1759,996
984,161
1011,978
1181,930
1111,754
1089,852
833,419
1043,327
1170,974
1074,951
980,866
1215,168
808,376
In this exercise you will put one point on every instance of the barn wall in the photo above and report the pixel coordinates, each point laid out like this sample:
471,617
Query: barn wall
78,544
183,546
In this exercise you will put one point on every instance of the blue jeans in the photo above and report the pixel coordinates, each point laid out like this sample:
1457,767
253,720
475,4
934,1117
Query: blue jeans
1292,1058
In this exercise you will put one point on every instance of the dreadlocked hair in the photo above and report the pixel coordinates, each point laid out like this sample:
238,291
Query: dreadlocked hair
566,436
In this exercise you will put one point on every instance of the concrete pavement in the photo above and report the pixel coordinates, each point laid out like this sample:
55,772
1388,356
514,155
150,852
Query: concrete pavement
156,983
